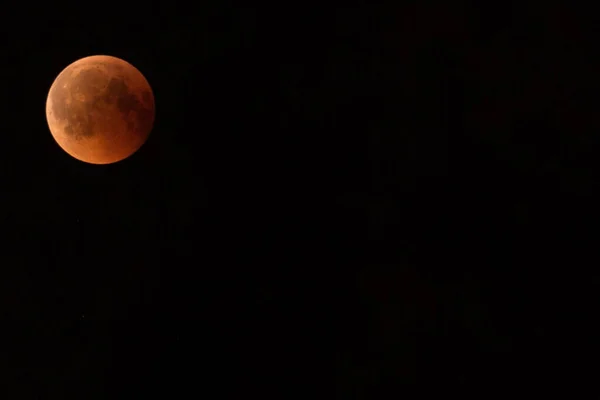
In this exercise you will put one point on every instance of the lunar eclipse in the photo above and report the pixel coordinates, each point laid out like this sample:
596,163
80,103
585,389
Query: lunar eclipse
100,109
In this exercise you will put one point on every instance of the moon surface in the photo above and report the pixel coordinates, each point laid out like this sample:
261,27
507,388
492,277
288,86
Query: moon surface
100,109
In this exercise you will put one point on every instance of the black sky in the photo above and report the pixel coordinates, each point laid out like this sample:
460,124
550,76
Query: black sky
333,203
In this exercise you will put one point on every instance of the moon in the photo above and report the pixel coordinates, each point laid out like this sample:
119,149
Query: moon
100,109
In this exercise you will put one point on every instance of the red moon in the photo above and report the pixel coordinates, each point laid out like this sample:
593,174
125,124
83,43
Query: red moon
100,109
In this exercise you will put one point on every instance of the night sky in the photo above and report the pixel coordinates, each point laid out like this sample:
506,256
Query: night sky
333,203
